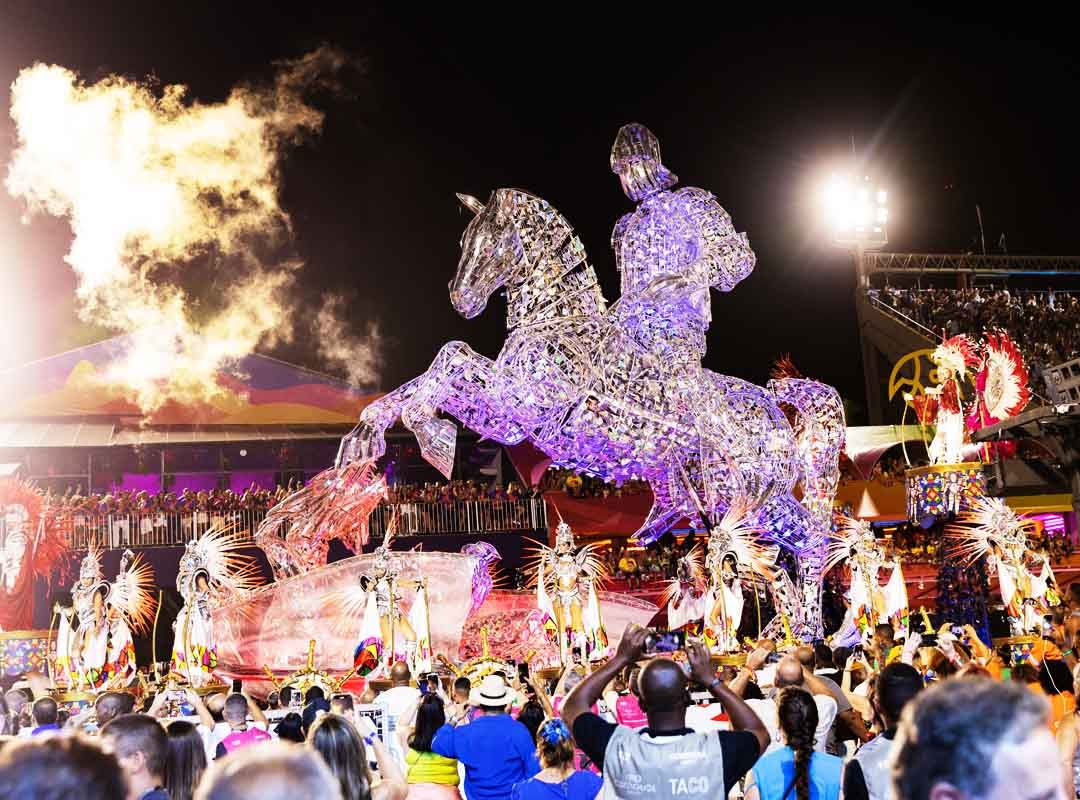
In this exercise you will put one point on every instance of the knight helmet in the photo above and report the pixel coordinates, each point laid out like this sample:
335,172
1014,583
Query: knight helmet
635,158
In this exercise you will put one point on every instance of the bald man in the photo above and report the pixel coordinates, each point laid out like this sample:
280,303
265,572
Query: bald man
666,759
789,672
398,699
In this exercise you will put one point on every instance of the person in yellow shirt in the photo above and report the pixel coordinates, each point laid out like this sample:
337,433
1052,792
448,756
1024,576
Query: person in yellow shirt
429,775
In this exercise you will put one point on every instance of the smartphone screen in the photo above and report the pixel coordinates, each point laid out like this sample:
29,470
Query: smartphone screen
523,671
237,685
665,641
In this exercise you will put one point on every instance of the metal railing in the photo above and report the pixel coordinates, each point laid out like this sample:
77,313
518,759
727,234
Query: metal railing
460,516
162,529
173,529
902,318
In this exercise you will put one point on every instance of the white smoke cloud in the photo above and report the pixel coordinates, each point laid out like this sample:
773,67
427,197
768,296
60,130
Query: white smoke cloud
170,201
358,357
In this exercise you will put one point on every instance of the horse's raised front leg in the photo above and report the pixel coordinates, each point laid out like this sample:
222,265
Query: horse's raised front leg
471,388
367,441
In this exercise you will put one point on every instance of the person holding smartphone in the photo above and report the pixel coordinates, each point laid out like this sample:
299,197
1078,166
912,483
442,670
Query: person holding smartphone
666,756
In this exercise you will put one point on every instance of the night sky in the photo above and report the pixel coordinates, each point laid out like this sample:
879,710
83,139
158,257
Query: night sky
462,99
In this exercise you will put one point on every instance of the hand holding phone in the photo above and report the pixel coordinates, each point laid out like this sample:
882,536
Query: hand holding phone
366,726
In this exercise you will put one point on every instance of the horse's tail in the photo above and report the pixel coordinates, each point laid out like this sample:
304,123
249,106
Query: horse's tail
818,421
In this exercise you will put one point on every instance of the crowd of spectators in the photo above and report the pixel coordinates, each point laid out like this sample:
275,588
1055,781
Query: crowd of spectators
457,490
122,502
914,719
1046,325
259,500
575,485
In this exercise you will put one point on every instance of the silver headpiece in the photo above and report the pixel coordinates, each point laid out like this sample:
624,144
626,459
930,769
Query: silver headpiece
564,538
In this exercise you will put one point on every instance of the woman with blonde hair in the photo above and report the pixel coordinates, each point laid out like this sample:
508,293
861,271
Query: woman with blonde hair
342,748
557,779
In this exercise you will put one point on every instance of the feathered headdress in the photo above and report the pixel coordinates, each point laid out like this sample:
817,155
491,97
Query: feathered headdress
850,533
1002,381
586,557
957,353
738,534
46,546
90,566
690,570
217,554
133,592
988,521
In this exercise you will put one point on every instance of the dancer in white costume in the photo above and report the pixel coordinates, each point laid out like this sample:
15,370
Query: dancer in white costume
687,596
212,572
990,528
870,604
98,650
570,574
734,551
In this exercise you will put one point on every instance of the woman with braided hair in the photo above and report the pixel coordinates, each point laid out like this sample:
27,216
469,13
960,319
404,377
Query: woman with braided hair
796,771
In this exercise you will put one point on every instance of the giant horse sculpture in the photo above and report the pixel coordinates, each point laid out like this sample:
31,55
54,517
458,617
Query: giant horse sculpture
620,393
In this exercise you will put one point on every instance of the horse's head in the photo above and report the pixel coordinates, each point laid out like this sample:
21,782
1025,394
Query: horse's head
490,249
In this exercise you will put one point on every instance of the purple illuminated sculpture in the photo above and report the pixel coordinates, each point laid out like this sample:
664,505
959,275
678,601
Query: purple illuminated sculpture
620,392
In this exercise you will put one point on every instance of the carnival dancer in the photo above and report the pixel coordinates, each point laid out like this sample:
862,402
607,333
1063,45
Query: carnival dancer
570,574
382,620
687,596
99,649
854,543
942,405
212,572
734,552
31,546
990,528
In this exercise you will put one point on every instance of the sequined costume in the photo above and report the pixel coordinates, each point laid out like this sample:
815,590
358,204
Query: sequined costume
570,574
98,651
212,572
942,406
855,544
687,596
990,529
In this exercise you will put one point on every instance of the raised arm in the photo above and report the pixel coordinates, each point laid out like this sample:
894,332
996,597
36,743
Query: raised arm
755,661
739,713
206,719
592,686
541,695
256,713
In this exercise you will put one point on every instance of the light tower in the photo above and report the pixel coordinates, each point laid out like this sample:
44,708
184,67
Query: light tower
858,214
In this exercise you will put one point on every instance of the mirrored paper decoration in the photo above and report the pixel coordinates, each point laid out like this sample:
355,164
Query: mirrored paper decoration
620,393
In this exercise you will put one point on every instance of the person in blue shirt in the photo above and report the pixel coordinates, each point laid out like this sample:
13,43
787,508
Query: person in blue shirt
796,771
496,749
46,716
558,780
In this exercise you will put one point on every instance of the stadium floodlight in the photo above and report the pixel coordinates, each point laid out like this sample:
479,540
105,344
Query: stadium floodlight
857,211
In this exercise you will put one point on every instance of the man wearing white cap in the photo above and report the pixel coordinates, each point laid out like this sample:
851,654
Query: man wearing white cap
497,750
